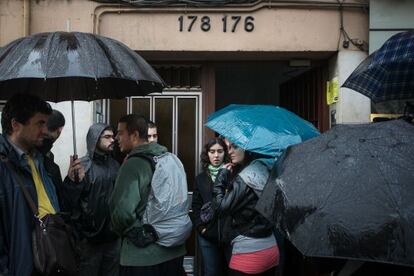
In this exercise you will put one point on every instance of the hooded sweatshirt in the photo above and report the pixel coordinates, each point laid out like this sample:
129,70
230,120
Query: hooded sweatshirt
128,204
90,198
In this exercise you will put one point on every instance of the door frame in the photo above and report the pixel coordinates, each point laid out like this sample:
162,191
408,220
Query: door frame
175,95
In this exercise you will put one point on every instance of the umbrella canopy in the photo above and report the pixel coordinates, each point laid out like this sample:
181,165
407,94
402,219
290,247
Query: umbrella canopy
348,193
388,73
263,129
64,66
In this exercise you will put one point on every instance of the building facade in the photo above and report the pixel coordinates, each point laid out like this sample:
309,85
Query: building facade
211,54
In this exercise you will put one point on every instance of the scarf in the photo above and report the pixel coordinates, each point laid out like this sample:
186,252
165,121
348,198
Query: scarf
213,171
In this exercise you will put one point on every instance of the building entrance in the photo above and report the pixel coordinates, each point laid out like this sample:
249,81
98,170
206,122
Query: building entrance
177,115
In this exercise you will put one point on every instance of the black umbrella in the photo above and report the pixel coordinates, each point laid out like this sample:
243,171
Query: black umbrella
63,66
348,193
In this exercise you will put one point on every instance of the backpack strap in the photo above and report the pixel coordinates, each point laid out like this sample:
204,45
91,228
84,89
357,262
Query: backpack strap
149,157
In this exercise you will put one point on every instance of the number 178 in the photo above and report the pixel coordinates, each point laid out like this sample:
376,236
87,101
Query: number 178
230,23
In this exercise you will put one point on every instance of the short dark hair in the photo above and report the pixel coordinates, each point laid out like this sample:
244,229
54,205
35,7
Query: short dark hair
136,122
56,120
151,124
205,161
22,107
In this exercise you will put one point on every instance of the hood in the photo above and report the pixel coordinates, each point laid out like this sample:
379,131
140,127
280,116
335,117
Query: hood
150,148
255,175
92,137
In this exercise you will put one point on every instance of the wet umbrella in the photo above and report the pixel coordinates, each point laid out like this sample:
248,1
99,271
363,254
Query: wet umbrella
63,66
388,73
348,193
264,129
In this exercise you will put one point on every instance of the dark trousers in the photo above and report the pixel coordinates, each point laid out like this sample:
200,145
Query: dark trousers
270,272
173,267
214,260
100,259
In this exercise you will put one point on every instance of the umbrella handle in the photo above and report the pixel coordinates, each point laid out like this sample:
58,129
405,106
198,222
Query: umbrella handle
75,155
76,172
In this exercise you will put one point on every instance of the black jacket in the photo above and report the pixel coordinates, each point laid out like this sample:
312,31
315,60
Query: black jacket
235,201
202,194
53,171
89,200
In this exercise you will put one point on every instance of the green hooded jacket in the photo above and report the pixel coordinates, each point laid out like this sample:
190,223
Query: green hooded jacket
128,203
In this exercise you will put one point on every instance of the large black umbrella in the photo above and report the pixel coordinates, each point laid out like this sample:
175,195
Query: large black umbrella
63,66
388,73
348,193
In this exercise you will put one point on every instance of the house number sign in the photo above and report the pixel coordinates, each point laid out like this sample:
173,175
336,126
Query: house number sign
205,23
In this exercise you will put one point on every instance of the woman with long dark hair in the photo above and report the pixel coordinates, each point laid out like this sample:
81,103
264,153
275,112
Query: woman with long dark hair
237,188
212,158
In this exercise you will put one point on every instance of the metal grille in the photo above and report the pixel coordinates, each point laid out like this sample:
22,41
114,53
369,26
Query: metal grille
180,76
305,96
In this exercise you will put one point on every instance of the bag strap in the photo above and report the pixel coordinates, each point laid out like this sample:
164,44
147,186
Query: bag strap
19,177
150,158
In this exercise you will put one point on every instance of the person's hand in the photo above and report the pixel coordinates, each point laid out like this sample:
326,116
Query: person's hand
229,166
75,165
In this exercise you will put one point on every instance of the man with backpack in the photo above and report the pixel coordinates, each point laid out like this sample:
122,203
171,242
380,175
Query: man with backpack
149,247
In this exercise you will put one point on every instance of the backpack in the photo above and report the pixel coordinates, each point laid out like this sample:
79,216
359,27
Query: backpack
167,207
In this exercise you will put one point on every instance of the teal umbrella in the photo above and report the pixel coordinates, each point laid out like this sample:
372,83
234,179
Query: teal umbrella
264,129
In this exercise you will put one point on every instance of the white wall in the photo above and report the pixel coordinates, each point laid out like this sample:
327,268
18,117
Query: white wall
352,107
63,147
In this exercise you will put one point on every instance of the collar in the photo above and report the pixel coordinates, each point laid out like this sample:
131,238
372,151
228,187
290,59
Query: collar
19,151
99,155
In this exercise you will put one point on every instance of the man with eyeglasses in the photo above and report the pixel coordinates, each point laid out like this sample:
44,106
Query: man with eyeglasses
89,204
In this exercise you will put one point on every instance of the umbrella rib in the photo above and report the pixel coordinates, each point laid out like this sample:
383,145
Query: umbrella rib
95,63
48,56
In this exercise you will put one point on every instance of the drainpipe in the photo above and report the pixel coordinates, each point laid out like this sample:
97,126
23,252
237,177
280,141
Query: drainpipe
100,10
26,17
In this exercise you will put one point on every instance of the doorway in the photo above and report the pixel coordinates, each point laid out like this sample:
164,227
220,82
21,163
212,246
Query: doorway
177,115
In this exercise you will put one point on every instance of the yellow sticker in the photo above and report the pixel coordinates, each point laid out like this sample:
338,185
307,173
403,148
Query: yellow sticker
332,91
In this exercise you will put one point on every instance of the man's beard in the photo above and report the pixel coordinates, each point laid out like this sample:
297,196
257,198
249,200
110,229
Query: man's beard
107,149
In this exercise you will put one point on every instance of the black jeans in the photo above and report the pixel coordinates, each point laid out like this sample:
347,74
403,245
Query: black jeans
214,260
173,267
100,259
270,272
